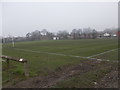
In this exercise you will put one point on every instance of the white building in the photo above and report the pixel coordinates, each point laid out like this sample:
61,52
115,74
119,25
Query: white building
106,34
55,38
114,35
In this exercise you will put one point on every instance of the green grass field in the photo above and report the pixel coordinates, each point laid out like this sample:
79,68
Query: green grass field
46,56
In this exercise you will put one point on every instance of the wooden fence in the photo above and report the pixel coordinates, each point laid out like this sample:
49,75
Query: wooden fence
20,60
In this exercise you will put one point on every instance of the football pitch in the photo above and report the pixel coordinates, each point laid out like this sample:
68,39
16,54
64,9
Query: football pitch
47,56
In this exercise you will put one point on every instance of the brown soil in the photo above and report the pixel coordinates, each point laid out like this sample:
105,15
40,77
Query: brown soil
110,80
66,72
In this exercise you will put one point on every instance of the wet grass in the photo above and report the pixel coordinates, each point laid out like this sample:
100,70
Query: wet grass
42,63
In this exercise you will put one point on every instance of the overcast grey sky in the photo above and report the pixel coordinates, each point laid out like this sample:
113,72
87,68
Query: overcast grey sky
21,18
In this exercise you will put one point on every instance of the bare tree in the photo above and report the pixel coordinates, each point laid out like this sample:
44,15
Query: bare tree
94,34
63,34
44,32
49,35
28,36
74,33
79,32
36,35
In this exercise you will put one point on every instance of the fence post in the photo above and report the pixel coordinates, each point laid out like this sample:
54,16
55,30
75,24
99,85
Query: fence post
26,69
8,64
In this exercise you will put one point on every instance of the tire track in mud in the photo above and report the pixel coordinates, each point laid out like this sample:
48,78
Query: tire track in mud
62,73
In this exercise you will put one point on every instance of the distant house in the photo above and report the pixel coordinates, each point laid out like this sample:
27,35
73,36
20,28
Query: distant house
114,35
118,33
55,38
106,34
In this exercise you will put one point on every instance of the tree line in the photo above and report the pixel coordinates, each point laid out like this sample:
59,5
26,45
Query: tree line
44,34
62,34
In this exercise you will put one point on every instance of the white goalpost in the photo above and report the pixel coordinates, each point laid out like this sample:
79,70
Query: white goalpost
13,43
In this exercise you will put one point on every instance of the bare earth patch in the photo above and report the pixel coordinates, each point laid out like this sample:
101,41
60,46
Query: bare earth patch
110,80
65,72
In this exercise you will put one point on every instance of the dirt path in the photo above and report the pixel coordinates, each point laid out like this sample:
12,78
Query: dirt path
62,74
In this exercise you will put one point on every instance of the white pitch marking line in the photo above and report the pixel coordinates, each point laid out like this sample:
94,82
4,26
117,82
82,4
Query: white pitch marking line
50,53
103,53
64,55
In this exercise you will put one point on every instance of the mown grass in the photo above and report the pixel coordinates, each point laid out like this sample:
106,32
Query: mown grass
86,47
113,56
42,63
39,64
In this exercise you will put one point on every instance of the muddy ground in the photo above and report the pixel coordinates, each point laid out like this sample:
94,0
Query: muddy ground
66,72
